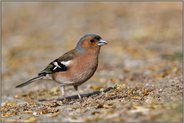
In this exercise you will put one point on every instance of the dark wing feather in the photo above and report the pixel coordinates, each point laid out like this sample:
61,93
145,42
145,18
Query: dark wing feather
51,68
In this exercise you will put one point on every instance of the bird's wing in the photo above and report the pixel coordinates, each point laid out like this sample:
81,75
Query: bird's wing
60,64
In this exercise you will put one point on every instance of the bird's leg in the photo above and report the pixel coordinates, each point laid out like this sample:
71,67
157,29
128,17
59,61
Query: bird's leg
63,91
76,88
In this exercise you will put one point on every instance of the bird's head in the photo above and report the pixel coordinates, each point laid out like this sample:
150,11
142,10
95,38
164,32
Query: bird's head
90,42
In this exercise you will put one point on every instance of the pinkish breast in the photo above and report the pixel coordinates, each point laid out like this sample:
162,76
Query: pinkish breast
83,69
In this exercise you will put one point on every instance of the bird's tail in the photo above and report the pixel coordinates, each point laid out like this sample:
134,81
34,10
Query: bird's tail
30,81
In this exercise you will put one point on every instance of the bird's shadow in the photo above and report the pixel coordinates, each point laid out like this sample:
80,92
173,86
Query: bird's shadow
73,97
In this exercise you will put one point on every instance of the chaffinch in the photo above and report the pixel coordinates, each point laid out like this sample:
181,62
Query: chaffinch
74,67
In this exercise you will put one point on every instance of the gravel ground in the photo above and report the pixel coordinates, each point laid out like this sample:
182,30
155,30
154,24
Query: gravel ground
142,61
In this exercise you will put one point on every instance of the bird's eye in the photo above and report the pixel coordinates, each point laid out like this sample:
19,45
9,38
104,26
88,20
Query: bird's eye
92,41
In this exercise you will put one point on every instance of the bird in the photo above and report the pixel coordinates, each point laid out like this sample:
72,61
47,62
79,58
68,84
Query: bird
75,66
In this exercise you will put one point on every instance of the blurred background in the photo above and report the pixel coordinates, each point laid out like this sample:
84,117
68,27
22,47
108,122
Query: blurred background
144,42
35,33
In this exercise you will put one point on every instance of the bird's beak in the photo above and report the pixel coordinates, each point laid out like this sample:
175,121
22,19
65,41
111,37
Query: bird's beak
101,42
